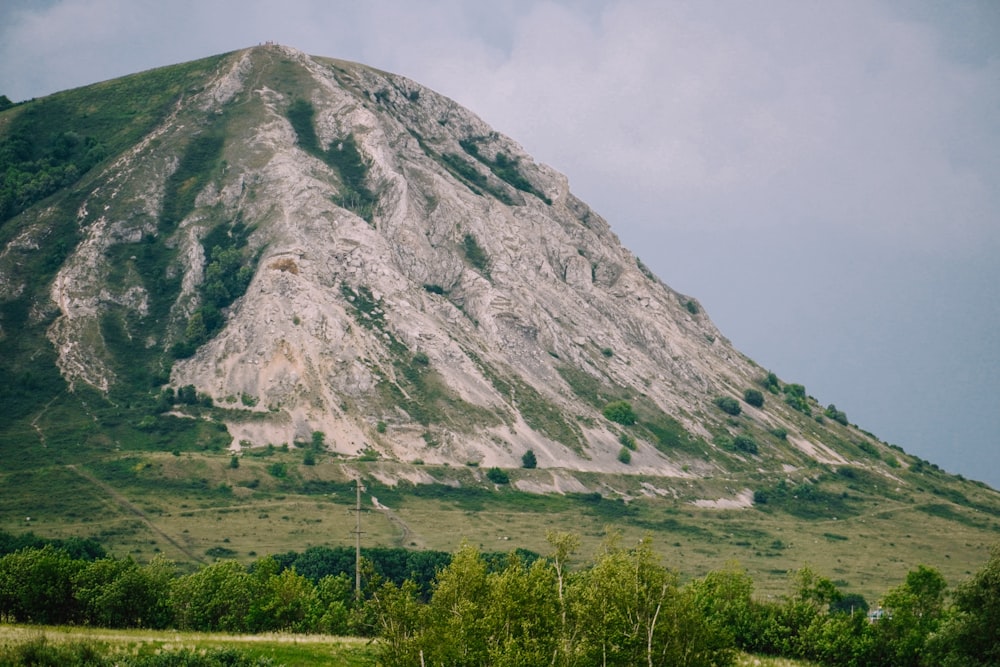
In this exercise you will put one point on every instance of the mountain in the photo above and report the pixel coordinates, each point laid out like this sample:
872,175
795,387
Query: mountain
267,250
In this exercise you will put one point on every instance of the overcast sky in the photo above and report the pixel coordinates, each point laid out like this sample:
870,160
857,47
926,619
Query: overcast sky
823,176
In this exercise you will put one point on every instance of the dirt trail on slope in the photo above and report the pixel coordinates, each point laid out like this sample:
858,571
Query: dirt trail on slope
127,505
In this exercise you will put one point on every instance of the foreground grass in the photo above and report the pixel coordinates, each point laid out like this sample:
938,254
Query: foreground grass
747,660
281,649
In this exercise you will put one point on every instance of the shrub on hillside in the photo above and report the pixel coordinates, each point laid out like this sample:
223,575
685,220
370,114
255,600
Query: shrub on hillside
745,443
497,476
528,460
728,405
754,397
620,412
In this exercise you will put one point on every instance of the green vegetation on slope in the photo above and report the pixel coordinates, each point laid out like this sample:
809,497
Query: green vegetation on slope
342,155
50,143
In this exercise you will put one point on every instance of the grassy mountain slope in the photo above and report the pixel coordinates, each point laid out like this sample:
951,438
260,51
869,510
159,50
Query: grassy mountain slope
336,272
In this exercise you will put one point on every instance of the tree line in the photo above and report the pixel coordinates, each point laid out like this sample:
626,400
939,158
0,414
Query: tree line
431,608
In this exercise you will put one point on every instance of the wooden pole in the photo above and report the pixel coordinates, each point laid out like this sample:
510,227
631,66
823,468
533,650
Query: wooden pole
357,542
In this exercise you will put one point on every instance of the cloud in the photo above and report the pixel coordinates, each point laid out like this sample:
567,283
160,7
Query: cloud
838,116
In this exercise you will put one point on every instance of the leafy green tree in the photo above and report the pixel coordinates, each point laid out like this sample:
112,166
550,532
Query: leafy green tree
455,632
335,594
795,396
522,618
497,476
754,397
836,415
216,597
969,638
36,586
916,610
564,545
399,617
528,460
122,594
631,612
728,405
285,601
725,598
620,412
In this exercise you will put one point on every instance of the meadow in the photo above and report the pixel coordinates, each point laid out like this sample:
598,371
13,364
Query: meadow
194,507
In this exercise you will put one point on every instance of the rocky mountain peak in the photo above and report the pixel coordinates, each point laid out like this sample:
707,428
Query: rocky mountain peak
322,250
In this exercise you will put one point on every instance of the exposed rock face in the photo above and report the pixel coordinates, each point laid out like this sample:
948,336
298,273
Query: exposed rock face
455,303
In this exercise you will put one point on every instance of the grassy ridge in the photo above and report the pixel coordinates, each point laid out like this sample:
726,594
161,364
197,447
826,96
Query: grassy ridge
187,503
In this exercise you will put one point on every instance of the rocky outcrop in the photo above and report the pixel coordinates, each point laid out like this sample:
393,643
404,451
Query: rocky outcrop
441,298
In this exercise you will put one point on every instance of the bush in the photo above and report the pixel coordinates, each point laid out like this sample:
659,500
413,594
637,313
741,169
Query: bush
795,397
771,383
745,443
627,440
625,455
836,415
620,412
728,405
497,476
754,397
528,460
475,254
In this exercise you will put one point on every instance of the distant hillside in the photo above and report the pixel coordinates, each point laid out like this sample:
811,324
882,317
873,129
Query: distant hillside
241,282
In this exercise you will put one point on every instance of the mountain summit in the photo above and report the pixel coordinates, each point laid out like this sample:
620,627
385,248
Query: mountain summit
318,249
235,286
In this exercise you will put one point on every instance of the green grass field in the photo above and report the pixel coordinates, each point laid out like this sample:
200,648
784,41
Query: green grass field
287,650
193,507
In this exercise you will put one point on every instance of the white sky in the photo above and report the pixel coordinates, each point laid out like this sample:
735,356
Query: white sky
823,176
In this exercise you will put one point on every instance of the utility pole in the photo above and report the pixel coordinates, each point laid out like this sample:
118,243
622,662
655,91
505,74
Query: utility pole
357,541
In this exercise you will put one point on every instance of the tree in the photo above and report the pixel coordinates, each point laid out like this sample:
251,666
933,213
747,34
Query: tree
36,586
728,405
753,397
216,597
620,412
564,545
725,599
631,612
969,637
916,609
399,617
528,459
285,601
121,594
836,415
454,632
